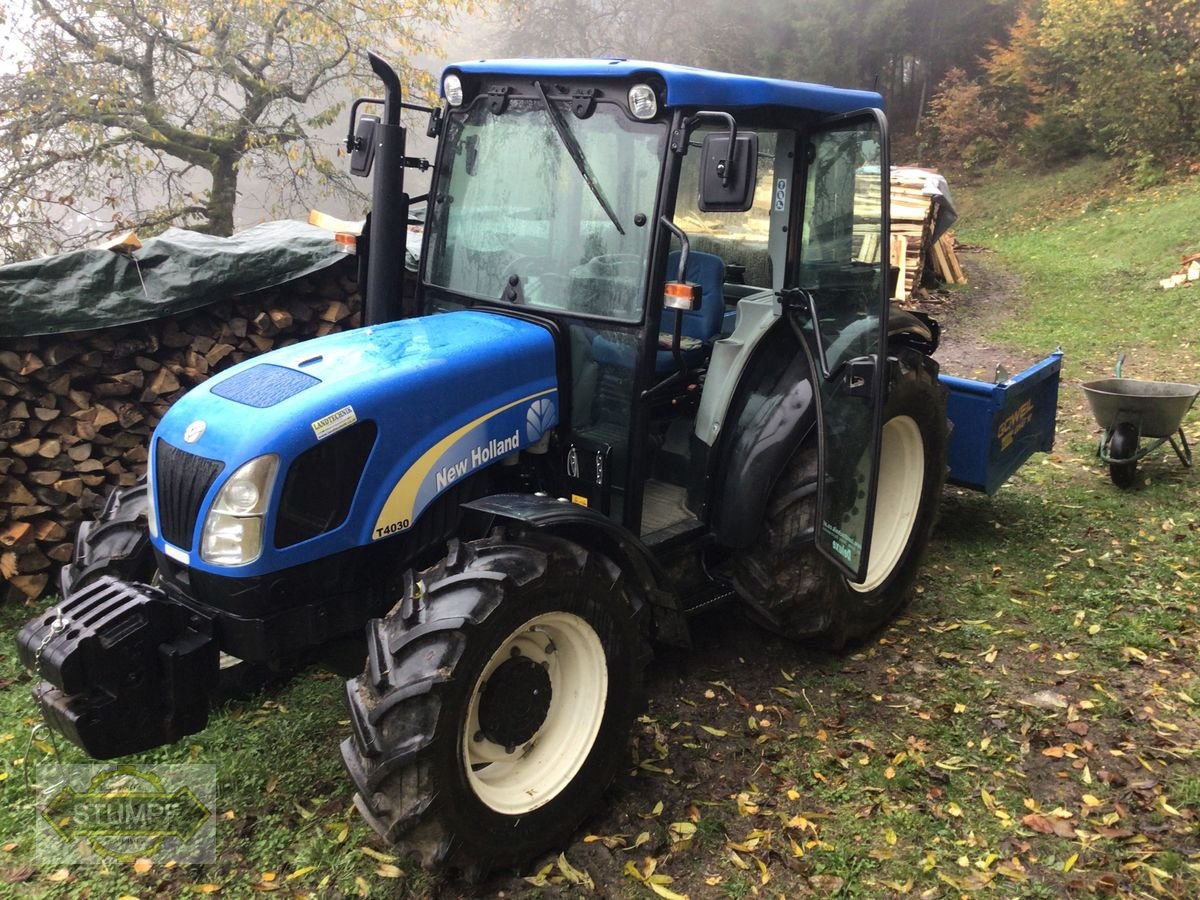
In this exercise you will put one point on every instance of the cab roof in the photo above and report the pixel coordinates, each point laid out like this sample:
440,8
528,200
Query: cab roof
686,86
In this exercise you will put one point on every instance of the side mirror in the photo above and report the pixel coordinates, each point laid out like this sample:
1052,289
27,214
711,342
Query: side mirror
727,177
362,153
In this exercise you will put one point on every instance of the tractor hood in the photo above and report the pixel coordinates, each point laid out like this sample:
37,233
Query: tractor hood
434,399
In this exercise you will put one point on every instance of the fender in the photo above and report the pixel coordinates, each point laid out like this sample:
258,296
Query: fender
592,529
774,410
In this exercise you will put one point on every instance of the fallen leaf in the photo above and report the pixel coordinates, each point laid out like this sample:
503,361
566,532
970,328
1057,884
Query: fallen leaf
142,865
376,855
388,870
1048,825
574,875
665,892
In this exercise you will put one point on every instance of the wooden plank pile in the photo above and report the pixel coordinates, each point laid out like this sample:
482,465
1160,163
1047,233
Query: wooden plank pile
1186,275
77,410
913,216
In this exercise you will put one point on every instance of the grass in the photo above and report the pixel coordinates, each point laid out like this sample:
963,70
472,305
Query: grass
1092,251
1044,676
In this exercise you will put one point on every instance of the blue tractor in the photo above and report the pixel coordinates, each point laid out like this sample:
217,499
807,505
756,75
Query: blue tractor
647,365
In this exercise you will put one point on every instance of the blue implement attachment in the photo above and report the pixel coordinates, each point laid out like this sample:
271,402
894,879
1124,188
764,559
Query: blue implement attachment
999,426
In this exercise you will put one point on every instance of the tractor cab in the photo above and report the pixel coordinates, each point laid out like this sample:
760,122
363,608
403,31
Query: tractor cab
658,220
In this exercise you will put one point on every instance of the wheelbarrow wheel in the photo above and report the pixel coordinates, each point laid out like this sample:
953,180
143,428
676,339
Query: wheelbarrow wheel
1122,455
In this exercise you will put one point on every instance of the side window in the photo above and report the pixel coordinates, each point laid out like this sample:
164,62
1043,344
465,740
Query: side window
740,239
842,270
840,259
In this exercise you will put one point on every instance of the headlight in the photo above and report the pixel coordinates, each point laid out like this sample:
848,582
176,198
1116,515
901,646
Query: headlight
151,518
452,88
642,101
233,529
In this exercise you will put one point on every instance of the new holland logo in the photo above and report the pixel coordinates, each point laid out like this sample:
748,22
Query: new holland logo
194,431
539,418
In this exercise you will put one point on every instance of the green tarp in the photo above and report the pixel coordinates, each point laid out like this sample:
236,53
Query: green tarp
180,271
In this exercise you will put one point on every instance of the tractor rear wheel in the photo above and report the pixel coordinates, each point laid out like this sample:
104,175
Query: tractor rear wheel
793,589
497,701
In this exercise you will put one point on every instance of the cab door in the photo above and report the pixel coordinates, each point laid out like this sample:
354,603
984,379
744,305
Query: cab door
842,278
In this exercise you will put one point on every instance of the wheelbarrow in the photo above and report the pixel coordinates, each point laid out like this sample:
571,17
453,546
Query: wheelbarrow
1129,410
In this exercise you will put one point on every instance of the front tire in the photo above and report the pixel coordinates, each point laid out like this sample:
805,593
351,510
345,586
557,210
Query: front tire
497,701
116,543
791,588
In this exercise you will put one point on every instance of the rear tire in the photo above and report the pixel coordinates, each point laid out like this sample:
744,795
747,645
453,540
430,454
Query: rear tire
497,701
794,590
1123,445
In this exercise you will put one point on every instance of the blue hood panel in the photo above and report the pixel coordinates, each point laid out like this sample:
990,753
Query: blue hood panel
449,394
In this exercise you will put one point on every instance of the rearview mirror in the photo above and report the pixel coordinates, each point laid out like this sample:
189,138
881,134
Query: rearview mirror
727,178
362,156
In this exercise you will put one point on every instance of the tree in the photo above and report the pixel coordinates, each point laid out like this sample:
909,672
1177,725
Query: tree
904,46
969,127
147,113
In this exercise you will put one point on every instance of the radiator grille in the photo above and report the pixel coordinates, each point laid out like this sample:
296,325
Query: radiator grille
181,480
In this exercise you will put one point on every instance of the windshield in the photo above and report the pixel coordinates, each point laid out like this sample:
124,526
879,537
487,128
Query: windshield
516,219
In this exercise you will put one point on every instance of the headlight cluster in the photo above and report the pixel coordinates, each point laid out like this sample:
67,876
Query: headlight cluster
233,529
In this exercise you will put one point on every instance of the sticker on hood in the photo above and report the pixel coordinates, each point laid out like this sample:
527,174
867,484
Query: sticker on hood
334,422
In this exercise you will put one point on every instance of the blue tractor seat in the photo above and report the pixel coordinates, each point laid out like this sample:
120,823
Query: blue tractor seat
699,326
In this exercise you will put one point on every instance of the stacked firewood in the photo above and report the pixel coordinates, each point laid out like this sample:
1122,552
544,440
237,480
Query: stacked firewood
77,410
913,214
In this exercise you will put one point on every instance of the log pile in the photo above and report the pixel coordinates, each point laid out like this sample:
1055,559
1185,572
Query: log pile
77,410
913,215
1186,275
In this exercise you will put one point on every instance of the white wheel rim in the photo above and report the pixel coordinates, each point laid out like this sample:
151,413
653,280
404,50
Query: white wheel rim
898,498
521,781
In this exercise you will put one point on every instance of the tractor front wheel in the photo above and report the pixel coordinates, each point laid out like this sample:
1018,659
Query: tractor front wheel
497,701
116,543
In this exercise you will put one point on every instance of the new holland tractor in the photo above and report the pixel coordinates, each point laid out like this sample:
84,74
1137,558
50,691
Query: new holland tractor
648,365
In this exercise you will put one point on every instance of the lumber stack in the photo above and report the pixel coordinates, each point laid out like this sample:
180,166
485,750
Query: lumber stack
1186,275
913,215
77,410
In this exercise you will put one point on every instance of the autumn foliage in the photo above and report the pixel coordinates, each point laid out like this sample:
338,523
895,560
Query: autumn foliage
1115,76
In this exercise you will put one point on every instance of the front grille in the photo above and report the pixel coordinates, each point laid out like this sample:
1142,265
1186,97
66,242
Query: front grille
181,480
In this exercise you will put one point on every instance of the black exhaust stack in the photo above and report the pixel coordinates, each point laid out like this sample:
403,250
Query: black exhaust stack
389,206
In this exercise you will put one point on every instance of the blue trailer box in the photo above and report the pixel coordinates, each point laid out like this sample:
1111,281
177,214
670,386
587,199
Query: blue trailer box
999,426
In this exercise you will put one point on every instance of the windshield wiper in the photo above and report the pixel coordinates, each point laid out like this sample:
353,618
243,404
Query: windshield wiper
577,156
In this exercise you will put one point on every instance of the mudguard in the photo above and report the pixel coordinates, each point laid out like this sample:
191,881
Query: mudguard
774,409
592,529
772,412
446,395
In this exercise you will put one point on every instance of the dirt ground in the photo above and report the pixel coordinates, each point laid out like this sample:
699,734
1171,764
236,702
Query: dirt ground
991,296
